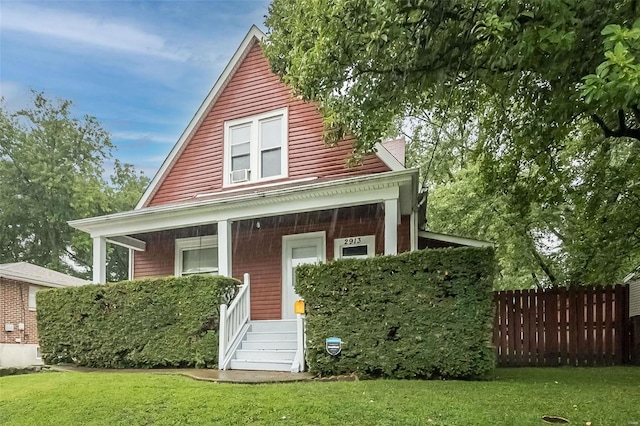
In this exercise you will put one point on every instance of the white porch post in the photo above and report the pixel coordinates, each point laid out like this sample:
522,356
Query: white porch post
99,260
224,248
413,232
391,226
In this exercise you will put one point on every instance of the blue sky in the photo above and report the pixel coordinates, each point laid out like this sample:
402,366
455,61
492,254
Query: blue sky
141,67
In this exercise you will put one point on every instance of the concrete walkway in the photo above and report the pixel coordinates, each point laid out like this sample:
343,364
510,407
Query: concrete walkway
208,375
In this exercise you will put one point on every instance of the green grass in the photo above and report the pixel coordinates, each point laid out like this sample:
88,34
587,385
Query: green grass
602,396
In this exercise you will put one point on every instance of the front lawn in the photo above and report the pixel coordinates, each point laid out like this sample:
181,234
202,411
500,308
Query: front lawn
602,396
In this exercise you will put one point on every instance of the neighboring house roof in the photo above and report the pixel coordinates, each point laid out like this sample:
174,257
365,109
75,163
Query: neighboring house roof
454,239
33,274
395,147
389,152
633,275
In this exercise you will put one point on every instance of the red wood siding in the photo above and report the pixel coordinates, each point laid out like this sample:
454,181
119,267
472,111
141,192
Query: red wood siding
258,251
254,89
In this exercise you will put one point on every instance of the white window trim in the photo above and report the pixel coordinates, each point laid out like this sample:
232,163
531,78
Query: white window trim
255,148
35,290
182,244
362,240
38,353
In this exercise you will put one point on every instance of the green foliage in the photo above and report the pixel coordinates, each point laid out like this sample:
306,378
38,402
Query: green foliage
566,215
372,62
417,315
617,79
601,396
51,171
523,135
145,323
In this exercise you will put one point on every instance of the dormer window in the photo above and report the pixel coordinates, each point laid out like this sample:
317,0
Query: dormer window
256,148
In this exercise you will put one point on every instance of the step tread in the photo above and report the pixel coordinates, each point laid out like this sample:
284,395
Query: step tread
243,364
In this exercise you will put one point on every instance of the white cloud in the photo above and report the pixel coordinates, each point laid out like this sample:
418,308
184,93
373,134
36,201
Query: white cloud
144,137
85,29
14,94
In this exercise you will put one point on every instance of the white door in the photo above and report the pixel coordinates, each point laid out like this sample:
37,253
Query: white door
298,250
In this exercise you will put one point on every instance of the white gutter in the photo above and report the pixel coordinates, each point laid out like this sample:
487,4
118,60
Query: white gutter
102,225
37,281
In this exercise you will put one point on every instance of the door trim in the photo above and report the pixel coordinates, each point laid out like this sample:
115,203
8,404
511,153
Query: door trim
286,241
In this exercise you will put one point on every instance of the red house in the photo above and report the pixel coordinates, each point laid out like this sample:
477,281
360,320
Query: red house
250,188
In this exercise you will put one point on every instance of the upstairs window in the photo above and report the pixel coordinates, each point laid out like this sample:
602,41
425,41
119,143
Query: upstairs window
256,148
197,255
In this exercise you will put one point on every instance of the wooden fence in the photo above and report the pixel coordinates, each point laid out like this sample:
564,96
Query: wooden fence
579,326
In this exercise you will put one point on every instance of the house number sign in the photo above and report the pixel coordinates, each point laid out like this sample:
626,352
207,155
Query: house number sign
333,345
352,241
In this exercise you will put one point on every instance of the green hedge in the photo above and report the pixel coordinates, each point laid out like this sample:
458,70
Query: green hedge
417,315
164,322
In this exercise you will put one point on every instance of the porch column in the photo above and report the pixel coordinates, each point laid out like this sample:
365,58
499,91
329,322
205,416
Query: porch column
99,260
413,232
391,226
224,248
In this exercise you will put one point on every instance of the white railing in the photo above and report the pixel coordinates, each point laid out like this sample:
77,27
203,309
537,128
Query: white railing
233,324
298,360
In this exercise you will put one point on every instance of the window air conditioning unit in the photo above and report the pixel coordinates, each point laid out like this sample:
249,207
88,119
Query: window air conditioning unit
241,175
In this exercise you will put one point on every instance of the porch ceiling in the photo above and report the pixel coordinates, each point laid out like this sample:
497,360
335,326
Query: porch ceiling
353,191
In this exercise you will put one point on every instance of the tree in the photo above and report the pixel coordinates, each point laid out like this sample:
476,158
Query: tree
51,171
545,94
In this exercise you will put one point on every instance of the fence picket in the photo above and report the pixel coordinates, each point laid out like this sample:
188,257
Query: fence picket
526,352
533,328
517,325
608,328
589,342
580,349
581,326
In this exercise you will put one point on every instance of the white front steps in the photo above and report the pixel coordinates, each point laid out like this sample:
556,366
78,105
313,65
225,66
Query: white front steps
267,346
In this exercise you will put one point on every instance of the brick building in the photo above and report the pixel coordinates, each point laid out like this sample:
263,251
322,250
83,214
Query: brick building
19,283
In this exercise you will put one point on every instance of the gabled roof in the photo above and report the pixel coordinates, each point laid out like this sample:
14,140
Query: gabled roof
33,274
395,147
454,239
633,275
254,35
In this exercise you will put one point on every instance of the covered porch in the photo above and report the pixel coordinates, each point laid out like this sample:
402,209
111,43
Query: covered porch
263,234
238,216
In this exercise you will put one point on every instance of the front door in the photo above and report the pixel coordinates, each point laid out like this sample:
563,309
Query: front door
298,249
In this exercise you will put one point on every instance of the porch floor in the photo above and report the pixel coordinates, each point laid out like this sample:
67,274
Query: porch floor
208,375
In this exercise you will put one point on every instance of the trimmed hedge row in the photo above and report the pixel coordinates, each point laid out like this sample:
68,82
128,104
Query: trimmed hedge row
417,315
164,322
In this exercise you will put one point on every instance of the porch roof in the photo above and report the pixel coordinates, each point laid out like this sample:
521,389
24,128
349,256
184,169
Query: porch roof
454,239
291,197
34,274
